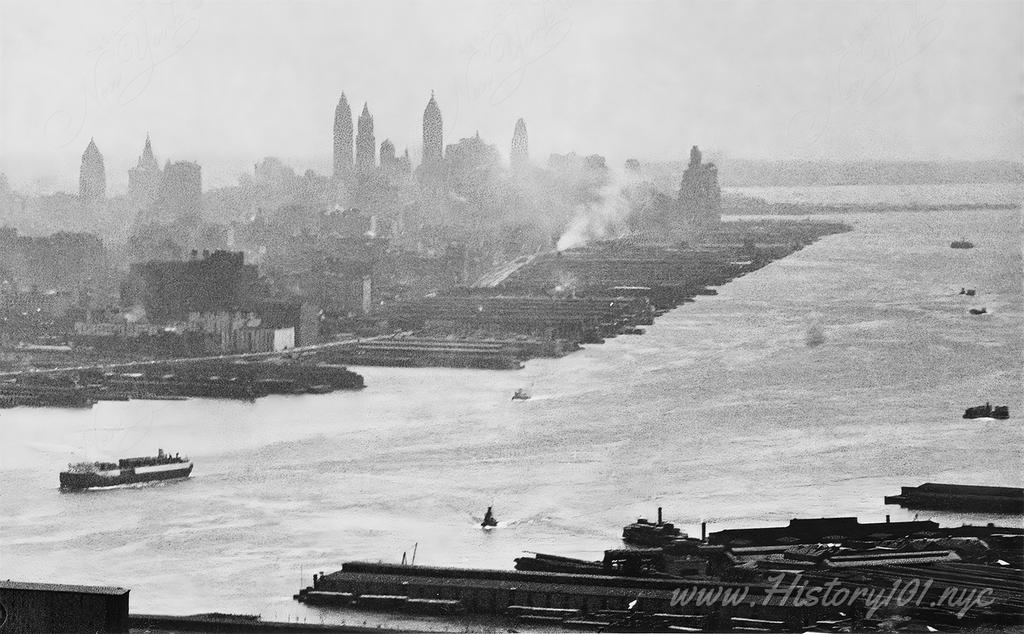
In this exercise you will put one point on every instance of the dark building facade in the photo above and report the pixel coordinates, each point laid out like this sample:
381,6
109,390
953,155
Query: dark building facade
168,291
342,139
92,177
49,607
59,262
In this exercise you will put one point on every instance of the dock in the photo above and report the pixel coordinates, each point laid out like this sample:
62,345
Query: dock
960,497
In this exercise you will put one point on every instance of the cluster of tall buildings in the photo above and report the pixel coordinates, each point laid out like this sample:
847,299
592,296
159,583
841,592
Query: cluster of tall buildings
362,140
172,194
365,162
168,195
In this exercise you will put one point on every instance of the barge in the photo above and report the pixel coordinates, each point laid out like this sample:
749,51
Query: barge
960,497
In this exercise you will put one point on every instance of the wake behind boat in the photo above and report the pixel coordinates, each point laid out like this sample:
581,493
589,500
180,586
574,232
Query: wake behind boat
88,475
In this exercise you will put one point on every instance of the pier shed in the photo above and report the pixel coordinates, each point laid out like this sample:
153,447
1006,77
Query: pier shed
53,607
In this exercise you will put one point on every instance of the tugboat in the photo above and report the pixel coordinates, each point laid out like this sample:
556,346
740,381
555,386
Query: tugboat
644,533
962,243
89,475
999,412
521,395
489,521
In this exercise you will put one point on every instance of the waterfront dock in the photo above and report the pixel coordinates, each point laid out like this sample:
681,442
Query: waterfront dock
960,497
224,379
641,589
552,303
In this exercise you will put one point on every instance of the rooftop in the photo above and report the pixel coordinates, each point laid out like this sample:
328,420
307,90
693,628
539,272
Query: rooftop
61,587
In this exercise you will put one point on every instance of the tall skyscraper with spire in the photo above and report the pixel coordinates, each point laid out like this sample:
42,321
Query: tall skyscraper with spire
520,156
387,156
143,180
366,148
433,135
342,139
92,178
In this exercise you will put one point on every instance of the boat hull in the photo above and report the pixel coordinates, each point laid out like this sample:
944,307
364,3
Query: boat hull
70,481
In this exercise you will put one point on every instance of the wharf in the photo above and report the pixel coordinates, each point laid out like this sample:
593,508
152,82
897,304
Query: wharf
173,381
960,497
481,591
756,579
550,303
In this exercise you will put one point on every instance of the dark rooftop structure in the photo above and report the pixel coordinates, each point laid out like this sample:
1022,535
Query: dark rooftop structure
52,607
812,531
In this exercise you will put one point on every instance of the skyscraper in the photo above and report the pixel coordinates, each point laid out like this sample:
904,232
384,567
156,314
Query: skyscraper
700,196
180,197
520,156
433,135
143,180
92,178
366,149
342,139
388,162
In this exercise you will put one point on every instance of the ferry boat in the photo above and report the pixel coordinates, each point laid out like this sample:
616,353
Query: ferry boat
88,475
644,533
999,412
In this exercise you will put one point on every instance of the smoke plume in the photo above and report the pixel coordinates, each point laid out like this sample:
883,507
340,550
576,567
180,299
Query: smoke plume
605,219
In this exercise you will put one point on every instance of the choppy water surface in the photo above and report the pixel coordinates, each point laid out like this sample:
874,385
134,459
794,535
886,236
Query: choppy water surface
724,412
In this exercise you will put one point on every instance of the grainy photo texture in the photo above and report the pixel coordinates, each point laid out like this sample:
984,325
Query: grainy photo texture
511,316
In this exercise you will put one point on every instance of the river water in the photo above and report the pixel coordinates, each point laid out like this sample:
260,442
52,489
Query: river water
722,412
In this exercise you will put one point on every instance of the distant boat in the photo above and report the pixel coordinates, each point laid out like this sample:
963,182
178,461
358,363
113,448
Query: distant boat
978,311
88,475
999,412
489,521
967,291
521,395
961,244
815,335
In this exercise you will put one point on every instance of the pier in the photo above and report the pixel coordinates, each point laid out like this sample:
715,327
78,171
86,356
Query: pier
646,589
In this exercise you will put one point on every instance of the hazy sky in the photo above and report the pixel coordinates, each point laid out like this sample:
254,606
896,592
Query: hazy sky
227,82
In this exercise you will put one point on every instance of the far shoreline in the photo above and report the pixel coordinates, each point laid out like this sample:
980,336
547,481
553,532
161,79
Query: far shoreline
745,206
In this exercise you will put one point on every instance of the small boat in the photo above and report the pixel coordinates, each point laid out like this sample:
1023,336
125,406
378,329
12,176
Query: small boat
999,412
961,244
521,395
967,291
978,311
489,521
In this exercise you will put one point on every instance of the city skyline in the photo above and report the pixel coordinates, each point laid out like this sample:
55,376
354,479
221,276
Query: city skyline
900,82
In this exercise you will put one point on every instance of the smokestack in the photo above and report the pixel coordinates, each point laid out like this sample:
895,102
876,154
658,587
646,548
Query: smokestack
659,515
886,518
703,531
